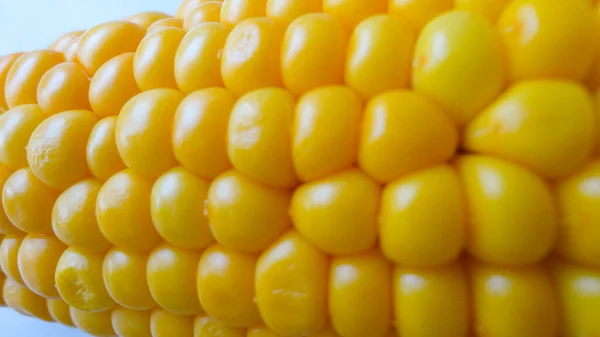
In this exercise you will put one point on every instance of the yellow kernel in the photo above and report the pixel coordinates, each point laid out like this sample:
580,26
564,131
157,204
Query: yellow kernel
94,323
187,6
177,208
325,132
143,131
307,40
107,40
459,63
9,253
124,275
123,212
63,87
171,275
411,234
338,214
379,55
154,59
259,140
166,324
225,286
537,47
6,63
209,11
146,19
21,83
491,9
101,151
24,301
353,12
553,137
517,301
6,226
16,126
28,202
113,85
59,310
198,58
512,212
287,11
250,58
426,295
56,151
79,281
245,215
165,23
131,323
205,326
37,259
291,286
74,219
419,12
200,132
403,132
235,11
360,295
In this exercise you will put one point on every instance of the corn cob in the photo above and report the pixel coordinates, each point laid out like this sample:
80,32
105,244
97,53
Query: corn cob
323,168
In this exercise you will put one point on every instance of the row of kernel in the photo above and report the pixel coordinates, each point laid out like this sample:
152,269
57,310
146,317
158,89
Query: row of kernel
352,278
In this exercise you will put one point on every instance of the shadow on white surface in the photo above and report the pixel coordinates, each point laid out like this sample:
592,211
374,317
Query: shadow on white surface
13,324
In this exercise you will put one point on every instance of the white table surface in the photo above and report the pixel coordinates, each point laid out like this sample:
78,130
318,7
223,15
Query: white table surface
27,25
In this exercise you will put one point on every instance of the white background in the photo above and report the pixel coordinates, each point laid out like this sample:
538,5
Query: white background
27,25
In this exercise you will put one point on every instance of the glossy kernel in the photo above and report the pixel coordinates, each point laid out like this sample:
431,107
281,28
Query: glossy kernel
360,295
166,324
28,202
74,219
259,140
198,58
9,252
379,55
439,295
79,281
146,19
16,127
537,47
402,132
37,259
579,225
131,323
491,9
250,58
24,301
98,324
56,150
419,12
225,286
143,132
63,87
177,207
459,63
124,275
287,11
6,63
59,310
325,132
171,274
21,83
553,137
519,302
123,212
187,6
209,11
235,11
306,41
200,132
154,59
513,216
245,215
6,226
291,286
165,23
107,40
205,326
422,219
101,151
113,85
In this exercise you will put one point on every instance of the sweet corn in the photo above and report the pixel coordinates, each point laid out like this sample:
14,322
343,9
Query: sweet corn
308,168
